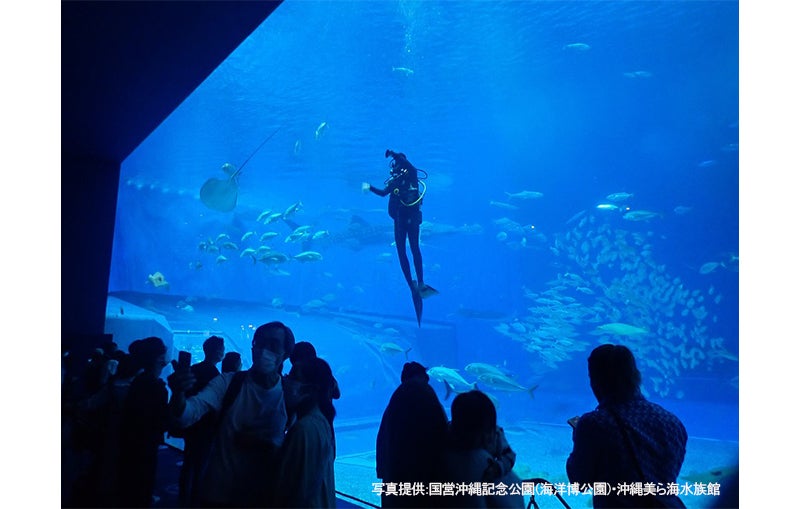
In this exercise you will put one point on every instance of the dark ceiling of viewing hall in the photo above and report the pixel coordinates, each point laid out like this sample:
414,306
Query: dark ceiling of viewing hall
127,65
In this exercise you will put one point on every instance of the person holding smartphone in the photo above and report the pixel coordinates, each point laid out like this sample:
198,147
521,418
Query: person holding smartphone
251,423
198,438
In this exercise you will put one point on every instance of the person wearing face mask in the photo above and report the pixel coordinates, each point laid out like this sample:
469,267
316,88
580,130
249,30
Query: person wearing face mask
305,465
251,421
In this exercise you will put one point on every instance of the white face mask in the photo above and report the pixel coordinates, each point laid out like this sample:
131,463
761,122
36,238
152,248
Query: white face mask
265,361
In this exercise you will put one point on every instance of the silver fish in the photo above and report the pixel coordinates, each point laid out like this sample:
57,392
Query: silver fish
618,197
503,205
640,215
502,382
308,256
525,195
577,46
454,381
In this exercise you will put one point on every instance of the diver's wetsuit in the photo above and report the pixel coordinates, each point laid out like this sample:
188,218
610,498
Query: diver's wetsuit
404,208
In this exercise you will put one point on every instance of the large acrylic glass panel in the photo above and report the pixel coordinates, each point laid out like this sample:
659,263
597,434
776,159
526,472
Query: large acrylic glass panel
582,187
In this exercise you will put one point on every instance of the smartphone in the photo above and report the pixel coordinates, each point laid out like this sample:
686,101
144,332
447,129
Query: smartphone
573,421
184,360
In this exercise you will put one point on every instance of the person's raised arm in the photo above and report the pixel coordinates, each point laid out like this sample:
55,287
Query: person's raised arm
502,452
369,187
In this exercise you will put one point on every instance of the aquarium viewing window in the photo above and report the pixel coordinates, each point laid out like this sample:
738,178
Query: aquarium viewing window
580,177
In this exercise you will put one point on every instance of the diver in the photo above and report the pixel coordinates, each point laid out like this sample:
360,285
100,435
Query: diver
405,200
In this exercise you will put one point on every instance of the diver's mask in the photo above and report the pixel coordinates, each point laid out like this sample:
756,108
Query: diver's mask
396,169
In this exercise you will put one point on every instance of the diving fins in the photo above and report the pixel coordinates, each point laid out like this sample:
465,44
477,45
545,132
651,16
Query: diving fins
426,291
417,298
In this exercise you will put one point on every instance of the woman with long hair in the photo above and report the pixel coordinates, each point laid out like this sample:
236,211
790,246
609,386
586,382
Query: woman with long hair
305,468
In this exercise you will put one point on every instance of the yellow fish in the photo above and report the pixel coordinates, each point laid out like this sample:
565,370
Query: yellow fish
158,280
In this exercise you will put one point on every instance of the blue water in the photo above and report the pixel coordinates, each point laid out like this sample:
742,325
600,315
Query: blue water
573,100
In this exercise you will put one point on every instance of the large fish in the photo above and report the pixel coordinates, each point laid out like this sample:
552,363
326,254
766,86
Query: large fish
453,381
480,368
394,348
273,257
502,382
308,256
640,215
222,194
